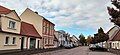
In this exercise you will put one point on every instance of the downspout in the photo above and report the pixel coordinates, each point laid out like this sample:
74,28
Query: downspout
0,21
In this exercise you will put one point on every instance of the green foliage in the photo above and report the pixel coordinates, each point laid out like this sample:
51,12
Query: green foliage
89,39
82,39
100,36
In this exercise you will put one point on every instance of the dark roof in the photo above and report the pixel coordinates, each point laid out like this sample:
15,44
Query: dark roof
48,20
29,30
4,10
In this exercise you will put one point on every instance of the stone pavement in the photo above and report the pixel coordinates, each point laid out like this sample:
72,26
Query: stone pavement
75,51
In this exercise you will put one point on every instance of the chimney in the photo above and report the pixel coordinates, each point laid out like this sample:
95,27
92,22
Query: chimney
36,12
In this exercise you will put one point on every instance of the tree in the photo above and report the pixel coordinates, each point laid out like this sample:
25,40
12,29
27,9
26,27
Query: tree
96,38
92,40
82,39
115,13
81,35
100,37
89,39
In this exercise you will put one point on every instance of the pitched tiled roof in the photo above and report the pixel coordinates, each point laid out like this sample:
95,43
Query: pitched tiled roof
116,37
113,34
4,10
110,29
29,30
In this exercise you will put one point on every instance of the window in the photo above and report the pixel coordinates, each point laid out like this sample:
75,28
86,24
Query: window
113,44
51,41
47,28
6,40
48,41
118,44
12,24
50,30
14,39
43,29
45,40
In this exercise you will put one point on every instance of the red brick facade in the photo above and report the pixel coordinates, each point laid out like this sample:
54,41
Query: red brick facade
48,33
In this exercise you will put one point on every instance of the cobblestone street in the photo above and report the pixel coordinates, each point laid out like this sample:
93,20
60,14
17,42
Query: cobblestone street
75,51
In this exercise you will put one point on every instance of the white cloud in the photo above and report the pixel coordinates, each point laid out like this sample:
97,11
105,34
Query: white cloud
81,14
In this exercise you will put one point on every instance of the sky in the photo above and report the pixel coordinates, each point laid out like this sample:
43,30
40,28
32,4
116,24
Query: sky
73,16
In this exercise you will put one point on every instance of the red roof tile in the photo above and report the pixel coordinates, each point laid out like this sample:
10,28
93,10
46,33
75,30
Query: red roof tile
114,34
4,10
116,37
29,30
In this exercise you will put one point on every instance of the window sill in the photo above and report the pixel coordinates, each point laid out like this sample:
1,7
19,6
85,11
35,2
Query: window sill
11,28
49,44
9,44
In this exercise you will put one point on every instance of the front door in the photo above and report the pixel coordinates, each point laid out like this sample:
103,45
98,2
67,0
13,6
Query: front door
110,45
22,43
32,43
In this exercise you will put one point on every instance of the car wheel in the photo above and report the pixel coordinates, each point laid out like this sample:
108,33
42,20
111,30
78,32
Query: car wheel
93,49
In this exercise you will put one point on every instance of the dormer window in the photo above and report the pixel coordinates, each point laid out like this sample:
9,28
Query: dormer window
12,24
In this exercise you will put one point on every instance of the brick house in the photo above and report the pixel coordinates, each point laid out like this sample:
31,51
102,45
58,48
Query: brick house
48,34
43,26
35,19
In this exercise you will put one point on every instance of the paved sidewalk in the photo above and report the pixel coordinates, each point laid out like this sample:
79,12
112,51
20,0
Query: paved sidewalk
27,52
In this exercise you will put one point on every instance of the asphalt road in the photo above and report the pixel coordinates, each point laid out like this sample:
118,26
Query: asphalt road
75,51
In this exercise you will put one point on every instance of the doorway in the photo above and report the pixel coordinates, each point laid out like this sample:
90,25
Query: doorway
38,43
32,43
22,43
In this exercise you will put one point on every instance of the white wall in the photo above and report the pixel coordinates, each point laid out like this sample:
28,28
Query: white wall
115,44
9,46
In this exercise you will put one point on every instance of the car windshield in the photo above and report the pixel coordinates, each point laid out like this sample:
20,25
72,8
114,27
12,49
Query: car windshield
92,45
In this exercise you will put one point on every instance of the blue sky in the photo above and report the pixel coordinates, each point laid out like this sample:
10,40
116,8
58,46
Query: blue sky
73,16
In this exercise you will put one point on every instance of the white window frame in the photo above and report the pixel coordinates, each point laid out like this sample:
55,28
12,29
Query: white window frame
14,40
12,24
7,40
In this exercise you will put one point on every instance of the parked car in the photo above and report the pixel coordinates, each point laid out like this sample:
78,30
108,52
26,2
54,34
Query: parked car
69,46
94,47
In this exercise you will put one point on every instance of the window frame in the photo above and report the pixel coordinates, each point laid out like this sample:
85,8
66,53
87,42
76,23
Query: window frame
14,40
12,24
7,39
